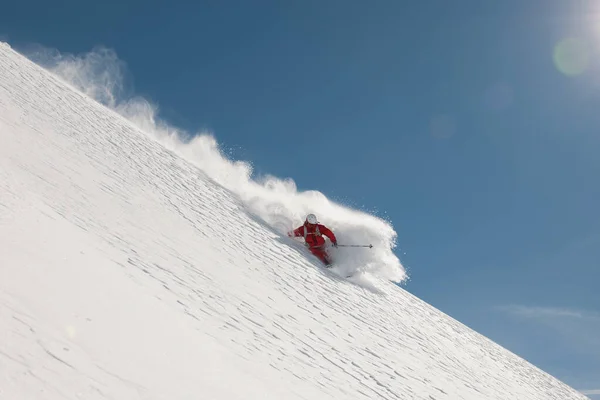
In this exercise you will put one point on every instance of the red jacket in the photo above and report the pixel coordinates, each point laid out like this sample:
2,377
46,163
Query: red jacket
313,234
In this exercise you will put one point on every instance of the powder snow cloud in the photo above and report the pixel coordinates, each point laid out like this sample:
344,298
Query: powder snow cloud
101,74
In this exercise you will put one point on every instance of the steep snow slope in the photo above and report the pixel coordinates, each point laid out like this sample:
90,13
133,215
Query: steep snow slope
127,273
101,75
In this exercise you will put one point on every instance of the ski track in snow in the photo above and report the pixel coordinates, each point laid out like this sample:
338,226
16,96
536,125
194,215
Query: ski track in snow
127,273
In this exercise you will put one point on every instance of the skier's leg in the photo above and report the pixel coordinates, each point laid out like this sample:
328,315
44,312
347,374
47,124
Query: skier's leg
316,252
321,255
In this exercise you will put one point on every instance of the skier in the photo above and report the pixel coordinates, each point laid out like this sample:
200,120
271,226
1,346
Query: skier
313,232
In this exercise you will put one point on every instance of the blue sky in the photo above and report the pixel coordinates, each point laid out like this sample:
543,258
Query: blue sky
472,126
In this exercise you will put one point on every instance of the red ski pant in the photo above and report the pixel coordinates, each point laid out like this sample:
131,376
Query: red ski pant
321,254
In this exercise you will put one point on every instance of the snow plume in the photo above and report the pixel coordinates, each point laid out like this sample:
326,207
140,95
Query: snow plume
101,75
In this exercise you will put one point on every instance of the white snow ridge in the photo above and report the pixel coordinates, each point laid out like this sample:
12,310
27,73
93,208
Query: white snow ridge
126,272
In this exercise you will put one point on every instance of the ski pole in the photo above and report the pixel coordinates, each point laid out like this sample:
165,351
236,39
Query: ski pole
356,245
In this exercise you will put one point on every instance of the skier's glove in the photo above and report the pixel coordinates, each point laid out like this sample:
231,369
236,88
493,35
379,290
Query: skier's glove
334,244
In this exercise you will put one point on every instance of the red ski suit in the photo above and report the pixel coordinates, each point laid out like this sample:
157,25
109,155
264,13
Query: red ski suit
313,236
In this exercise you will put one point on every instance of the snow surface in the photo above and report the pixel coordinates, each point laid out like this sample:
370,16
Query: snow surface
126,272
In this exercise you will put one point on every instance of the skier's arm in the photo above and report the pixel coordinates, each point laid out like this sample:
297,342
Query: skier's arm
297,232
325,231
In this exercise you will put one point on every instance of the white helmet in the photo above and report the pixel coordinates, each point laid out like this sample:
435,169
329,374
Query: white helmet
311,219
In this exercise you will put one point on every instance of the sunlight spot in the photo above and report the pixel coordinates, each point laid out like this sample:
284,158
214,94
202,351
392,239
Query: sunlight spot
571,56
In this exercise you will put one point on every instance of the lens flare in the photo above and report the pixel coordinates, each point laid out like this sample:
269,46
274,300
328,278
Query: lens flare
571,56
442,126
499,96
70,331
